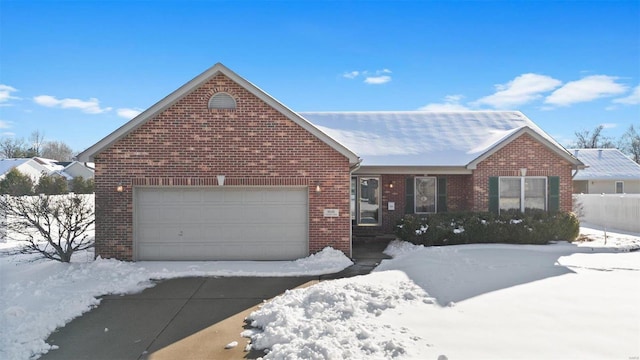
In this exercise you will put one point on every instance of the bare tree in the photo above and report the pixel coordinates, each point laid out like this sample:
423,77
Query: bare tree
37,141
54,227
630,144
587,140
11,148
57,150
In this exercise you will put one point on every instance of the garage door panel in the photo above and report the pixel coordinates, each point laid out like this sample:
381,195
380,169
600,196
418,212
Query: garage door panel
221,223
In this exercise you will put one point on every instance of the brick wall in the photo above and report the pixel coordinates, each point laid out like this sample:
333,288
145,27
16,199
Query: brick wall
523,152
459,198
188,145
471,192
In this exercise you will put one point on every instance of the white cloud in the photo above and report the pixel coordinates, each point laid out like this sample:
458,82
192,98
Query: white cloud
586,89
373,78
91,106
521,90
5,93
609,125
376,80
128,113
632,99
451,103
351,74
4,124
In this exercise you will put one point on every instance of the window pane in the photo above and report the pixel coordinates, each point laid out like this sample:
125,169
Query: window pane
619,187
509,193
535,193
369,201
425,196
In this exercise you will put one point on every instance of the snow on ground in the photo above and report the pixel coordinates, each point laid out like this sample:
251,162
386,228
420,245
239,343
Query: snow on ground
36,297
569,301
486,301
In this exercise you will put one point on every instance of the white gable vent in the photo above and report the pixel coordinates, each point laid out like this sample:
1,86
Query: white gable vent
222,101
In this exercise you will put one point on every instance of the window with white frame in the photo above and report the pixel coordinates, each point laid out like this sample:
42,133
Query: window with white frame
425,195
522,193
619,187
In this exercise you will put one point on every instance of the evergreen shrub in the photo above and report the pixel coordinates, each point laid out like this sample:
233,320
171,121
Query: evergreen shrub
511,227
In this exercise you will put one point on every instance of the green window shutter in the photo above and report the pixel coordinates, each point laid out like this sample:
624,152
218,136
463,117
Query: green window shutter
554,193
494,194
442,194
409,191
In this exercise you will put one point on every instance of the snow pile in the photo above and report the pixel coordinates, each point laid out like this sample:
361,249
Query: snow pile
36,297
490,301
337,319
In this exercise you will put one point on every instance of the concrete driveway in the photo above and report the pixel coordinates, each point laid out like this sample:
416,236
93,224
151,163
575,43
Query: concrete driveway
186,318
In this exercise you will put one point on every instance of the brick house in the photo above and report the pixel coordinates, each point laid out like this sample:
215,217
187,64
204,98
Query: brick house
219,169
427,162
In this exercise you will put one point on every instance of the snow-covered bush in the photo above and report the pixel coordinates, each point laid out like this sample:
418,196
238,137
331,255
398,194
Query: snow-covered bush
532,227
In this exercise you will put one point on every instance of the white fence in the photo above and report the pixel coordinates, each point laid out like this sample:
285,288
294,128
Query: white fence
612,211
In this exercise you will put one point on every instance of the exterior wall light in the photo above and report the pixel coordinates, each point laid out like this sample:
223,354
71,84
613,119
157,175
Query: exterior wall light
318,187
120,187
523,172
391,185
220,180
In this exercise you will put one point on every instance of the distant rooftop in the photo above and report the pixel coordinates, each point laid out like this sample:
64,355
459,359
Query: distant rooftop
606,164
418,138
7,164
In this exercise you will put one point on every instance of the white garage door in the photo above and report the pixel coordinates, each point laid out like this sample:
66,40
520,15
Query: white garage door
221,223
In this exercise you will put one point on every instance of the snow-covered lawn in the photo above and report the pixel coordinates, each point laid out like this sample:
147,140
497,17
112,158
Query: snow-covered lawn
493,301
36,297
561,301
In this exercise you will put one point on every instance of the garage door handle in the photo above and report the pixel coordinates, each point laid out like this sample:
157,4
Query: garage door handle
180,233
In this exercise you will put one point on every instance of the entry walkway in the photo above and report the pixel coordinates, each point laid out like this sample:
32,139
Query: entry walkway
186,318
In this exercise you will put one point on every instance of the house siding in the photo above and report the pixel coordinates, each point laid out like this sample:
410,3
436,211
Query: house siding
522,152
189,145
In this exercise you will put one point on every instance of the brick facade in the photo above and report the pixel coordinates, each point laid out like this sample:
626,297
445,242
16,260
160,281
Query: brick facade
188,145
471,192
522,152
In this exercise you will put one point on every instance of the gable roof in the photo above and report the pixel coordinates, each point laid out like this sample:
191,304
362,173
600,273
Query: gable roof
89,154
606,164
7,164
430,139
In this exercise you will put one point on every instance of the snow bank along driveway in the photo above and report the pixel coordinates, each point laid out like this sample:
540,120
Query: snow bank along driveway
559,301
38,297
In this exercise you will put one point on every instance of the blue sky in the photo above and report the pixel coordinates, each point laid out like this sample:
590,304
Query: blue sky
75,71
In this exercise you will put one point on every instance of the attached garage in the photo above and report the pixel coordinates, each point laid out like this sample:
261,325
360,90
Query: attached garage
220,223
158,189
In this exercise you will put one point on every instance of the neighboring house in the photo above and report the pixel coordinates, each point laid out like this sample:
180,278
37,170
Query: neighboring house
30,167
37,166
220,170
73,169
609,171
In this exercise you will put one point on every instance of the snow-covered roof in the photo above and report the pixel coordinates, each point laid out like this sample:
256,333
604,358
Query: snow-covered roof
7,164
606,164
50,164
426,138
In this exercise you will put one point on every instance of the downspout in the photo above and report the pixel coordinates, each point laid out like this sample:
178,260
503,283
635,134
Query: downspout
353,168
